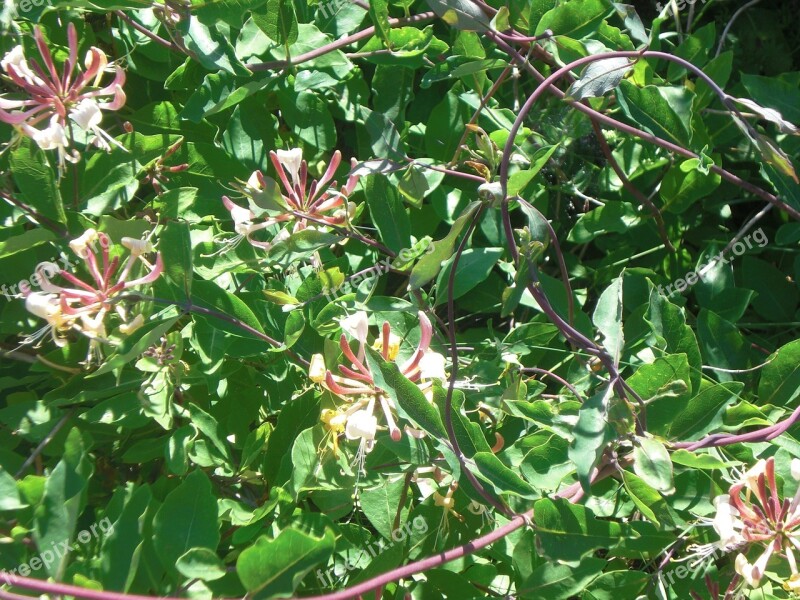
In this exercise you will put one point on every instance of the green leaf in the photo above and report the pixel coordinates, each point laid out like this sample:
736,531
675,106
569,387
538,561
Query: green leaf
55,519
210,428
566,532
652,463
187,519
780,378
700,461
211,46
667,322
175,246
445,128
122,544
388,213
663,111
591,434
474,267
37,181
781,92
177,450
722,343
295,324
561,582
491,469
599,78
574,19
461,14
410,401
382,503
274,568
379,14
301,245
135,344
9,495
684,184
384,138
220,91
646,499
278,21
309,118
469,435
207,294
200,563
776,299
608,319
613,217
518,180
704,412
429,265
25,241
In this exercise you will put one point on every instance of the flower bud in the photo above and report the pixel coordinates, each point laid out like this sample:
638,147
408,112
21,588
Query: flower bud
316,370
79,245
137,246
128,328
291,160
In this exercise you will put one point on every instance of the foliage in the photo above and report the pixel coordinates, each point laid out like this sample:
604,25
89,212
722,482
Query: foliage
330,288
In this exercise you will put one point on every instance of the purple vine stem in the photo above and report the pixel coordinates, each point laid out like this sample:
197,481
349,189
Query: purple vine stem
625,128
340,43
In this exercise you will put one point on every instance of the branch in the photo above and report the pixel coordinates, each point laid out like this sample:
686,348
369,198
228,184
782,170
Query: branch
340,43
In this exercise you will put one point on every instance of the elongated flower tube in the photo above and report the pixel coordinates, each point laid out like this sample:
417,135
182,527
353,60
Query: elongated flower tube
356,385
60,100
85,306
753,519
307,205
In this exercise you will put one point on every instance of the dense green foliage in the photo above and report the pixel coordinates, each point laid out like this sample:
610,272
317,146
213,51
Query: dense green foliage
565,312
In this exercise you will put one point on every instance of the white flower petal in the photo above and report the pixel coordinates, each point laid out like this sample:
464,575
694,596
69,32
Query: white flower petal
87,114
361,425
357,325
291,161
52,138
431,366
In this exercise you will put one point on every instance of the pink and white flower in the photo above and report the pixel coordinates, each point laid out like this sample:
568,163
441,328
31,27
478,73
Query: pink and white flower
356,384
753,519
85,306
308,205
60,99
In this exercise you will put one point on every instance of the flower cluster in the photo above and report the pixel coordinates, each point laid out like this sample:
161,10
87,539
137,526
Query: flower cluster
752,515
319,203
85,306
356,384
59,99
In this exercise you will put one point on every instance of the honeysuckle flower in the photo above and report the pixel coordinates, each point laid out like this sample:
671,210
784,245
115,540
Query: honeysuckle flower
357,325
356,384
88,116
58,98
48,307
291,160
51,138
752,518
362,425
316,369
307,205
129,328
137,246
321,197
431,366
448,503
84,307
